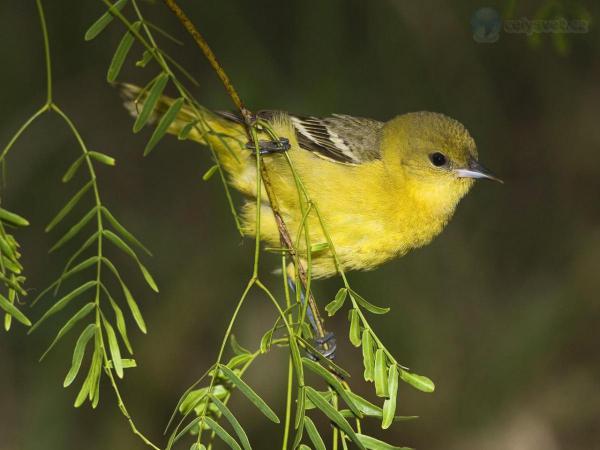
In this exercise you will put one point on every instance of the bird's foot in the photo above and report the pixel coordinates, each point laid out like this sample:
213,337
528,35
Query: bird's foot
326,346
278,145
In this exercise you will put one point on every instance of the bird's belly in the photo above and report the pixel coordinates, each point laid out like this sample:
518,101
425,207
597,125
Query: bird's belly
362,243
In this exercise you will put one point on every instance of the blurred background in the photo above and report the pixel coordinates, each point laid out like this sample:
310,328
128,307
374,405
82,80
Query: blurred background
501,311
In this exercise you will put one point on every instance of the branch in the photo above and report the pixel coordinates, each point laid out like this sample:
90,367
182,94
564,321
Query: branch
212,59
284,234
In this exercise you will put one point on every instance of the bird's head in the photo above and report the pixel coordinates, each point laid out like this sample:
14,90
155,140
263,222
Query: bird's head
436,154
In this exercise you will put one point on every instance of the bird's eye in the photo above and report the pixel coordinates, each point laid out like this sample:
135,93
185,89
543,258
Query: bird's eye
438,159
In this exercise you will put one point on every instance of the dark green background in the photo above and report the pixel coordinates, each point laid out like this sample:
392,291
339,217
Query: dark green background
501,310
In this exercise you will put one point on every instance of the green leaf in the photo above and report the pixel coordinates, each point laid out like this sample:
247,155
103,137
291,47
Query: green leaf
150,102
72,169
389,405
192,399
7,322
370,443
236,347
146,58
12,295
113,345
249,393
69,206
239,360
123,231
121,53
163,124
300,410
313,434
99,25
333,382
11,309
210,172
13,218
368,306
127,363
234,423
64,301
368,356
355,337
96,369
326,362
73,258
299,422
327,395
164,33
83,393
296,360
332,414
380,373
78,268
73,230
14,266
184,431
127,249
304,447
365,407
7,249
83,312
319,247
186,130
350,415
11,239
104,159
135,310
420,382
224,435
337,303
13,283
300,413
121,326
265,341
78,354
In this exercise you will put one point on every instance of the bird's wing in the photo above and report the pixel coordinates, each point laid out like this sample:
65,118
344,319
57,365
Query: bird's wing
339,138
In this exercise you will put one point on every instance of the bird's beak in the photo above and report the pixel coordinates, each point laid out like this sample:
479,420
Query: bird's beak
476,170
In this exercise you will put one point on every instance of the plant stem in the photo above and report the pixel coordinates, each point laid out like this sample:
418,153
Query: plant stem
212,59
283,231
222,350
288,404
123,408
290,381
50,105
21,130
46,52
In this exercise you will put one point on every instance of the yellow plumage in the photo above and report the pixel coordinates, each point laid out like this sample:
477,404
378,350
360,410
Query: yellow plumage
377,203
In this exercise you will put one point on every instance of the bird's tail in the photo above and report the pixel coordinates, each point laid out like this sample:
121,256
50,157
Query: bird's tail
225,135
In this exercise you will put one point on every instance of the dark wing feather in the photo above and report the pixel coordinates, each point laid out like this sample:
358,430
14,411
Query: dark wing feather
339,138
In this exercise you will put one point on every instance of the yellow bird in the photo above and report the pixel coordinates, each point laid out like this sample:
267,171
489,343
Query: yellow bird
382,188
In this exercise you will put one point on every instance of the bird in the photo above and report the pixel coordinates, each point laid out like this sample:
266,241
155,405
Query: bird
382,189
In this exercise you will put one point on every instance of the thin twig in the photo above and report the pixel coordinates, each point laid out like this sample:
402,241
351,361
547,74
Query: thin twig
284,234
212,59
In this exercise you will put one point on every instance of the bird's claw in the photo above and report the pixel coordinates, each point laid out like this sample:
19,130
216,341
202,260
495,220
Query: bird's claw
326,346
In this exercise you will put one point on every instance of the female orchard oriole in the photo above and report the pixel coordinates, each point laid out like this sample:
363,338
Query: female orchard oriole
382,188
